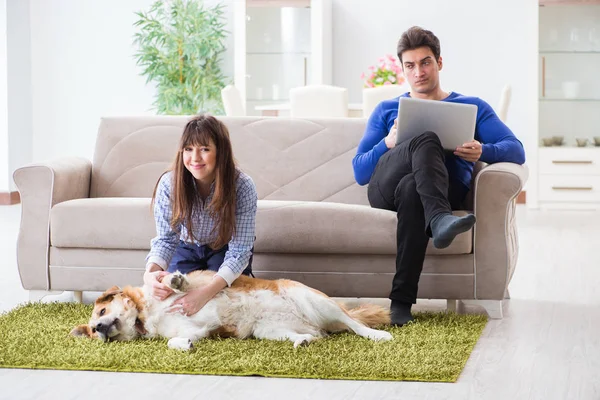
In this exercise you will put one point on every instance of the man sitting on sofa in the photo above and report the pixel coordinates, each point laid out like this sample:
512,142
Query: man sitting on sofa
417,178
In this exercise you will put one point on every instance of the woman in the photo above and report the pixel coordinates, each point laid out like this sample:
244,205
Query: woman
205,213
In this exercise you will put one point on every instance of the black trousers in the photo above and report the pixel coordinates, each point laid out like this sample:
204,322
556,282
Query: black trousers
412,180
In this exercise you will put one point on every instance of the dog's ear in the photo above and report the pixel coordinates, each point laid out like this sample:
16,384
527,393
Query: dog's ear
109,294
83,330
133,297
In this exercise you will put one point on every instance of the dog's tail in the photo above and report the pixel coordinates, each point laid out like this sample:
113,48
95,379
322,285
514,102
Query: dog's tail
371,315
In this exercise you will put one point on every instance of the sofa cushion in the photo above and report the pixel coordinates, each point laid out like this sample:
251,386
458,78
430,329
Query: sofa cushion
298,159
281,227
103,223
322,227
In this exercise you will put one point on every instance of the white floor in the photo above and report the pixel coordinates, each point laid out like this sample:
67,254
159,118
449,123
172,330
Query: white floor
546,347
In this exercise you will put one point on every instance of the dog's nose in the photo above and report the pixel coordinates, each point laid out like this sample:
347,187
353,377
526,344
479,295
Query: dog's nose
102,328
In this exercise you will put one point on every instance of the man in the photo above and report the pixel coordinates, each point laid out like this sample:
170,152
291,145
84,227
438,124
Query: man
417,178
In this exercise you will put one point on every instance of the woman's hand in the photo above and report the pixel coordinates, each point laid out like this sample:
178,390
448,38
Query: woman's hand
153,279
195,299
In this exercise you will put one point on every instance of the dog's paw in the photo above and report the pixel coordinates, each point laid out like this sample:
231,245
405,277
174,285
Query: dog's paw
379,336
303,340
180,343
178,282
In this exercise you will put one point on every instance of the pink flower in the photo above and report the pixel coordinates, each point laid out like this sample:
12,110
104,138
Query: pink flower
387,71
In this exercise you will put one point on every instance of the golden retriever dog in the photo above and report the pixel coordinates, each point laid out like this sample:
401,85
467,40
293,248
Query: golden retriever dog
264,309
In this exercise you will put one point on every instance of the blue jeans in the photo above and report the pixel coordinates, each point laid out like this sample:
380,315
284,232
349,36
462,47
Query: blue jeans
189,257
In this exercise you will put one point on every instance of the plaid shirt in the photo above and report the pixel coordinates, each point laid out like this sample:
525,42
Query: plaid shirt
167,239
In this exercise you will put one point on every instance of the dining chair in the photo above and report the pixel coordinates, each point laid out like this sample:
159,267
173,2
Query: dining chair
318,101
373,96
232,101
504,102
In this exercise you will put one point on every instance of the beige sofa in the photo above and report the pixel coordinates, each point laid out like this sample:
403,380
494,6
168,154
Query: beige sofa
87,225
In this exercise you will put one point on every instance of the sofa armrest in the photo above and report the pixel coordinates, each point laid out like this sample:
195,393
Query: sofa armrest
496,246
41,186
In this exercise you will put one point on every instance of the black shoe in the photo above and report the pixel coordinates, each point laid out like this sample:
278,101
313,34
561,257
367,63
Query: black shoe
400,313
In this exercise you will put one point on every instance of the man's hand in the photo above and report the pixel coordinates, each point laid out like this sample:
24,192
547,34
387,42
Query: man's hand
153,279
390,139
195,299
470,151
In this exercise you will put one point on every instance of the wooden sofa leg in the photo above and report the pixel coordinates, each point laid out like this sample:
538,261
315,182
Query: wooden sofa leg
50,296
492,307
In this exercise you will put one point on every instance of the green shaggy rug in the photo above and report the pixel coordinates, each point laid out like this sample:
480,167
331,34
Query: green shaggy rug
435,349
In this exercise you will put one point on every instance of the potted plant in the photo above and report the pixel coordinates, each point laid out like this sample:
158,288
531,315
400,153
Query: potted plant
179,44
387,71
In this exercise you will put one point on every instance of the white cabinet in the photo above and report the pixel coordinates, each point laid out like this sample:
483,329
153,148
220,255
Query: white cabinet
569,106
280,45
569,177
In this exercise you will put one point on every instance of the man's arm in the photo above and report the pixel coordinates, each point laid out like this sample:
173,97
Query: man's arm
499,143
371,147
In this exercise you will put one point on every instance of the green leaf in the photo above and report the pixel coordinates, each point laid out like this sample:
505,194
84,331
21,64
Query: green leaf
179,44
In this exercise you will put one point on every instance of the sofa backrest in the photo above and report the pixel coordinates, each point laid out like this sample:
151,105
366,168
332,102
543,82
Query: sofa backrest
288,158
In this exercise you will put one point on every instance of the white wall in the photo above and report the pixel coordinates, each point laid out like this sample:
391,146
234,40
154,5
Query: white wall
83,66
20,113
484,45
4,171
82,69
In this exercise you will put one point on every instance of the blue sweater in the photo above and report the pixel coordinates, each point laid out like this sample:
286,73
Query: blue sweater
499,144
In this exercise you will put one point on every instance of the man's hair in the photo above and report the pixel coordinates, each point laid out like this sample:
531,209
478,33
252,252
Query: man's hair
416,37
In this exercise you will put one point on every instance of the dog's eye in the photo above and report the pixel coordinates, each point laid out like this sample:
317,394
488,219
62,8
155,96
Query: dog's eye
94,330
102,311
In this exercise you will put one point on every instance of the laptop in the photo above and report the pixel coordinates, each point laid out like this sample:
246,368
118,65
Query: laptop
454,123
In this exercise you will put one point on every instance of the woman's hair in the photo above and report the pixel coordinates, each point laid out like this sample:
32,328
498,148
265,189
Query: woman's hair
200,131
416,37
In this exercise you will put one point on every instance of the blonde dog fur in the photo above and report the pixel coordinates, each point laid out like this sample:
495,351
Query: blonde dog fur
265,309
